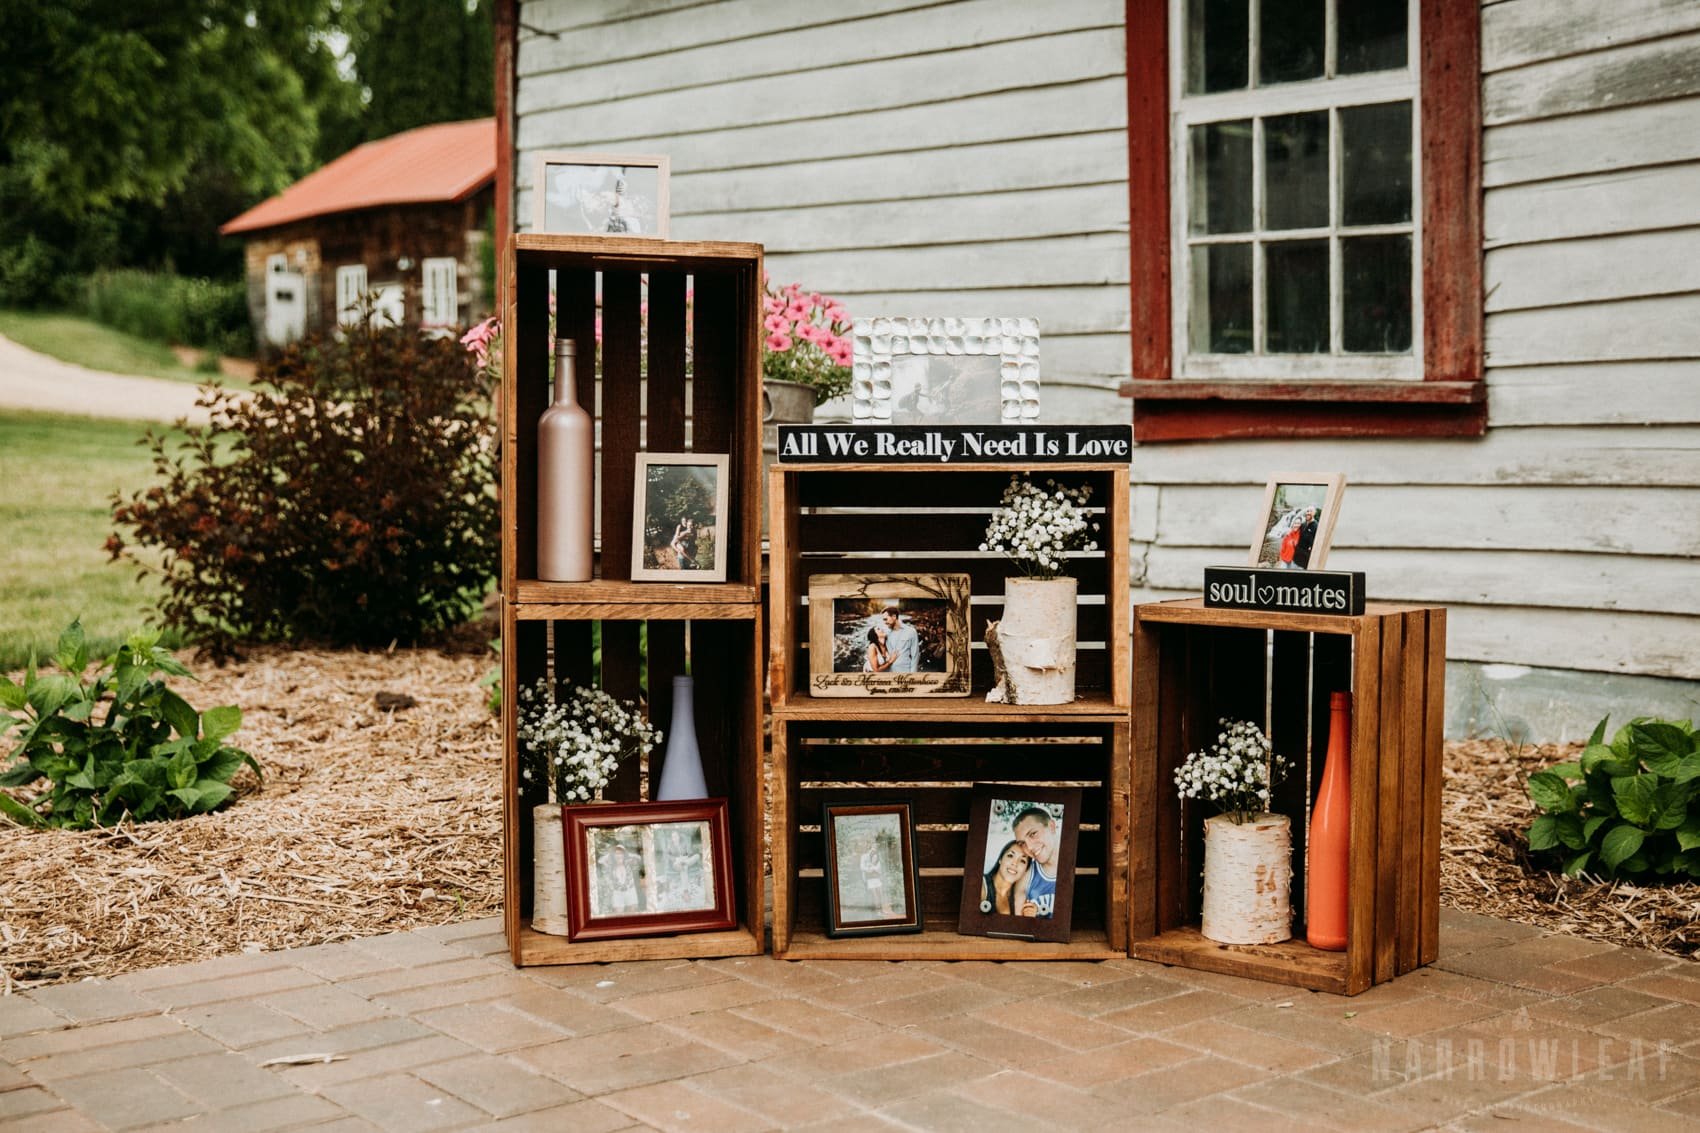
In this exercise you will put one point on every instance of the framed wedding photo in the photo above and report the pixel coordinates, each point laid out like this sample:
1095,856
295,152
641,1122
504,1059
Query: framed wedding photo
888,635
1018,881
648,869
1296,524
679,521
872,886
600,194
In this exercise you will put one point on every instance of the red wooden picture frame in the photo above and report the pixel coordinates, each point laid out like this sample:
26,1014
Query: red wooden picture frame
629,831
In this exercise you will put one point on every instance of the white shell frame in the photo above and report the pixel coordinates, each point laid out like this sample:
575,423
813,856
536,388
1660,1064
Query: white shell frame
878,340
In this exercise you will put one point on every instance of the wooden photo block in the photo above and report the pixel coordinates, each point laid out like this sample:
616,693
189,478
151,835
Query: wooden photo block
888,635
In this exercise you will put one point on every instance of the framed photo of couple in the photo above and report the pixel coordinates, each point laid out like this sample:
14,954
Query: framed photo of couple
1018,880
888,635
648,869
1296,524
679,520
871,878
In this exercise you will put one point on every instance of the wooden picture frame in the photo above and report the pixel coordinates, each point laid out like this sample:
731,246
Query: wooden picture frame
671,519
872,880
648,869
1296,524
600,194
914,624
1027,822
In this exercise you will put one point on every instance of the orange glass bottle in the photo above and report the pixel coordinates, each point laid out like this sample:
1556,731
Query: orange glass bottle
1330,835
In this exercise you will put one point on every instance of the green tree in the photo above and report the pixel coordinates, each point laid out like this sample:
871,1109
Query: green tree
422,61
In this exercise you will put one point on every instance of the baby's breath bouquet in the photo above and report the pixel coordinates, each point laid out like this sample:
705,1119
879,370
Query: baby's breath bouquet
1235,772
575,742
1037,527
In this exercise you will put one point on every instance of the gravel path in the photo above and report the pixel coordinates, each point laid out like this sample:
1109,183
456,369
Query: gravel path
35,381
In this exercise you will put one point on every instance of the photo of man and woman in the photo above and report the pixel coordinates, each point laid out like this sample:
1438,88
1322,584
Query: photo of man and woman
680,516
889,635
1290,527
1021,859
868,850
602,200
666,867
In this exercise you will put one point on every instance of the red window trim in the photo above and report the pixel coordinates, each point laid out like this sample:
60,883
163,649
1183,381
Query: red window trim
1451,399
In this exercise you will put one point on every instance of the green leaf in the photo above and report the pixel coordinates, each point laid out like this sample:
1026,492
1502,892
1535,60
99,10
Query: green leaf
1543,833
48,694
1578,863
1551,793
1687,768
217,723
1622,841
1688,837
12,696
84,779
19,774
19,813
208,795
1599,736
179,715
72,652
1637,798
1567,771
1597,757
222,764
131,679
1660,746
1570,831
1592,826
181,771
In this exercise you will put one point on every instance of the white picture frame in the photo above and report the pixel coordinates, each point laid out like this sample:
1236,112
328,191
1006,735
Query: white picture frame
661,537
600,194
945,371
1293,502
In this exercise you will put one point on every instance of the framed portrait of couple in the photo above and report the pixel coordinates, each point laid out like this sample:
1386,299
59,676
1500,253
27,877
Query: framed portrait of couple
679,505
888,635
872,884
1018,880
648,869
1296,525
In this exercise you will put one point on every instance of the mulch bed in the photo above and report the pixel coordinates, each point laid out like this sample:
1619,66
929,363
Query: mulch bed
378,818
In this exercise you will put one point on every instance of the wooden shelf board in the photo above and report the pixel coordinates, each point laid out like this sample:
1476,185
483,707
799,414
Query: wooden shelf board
1088,944
636,611
540,948
1094,706
1193,612
1290,962
528,591
1006,467
634,252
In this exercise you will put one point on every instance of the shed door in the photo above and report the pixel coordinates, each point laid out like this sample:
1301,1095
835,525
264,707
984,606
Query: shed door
440,299
350,290
286,302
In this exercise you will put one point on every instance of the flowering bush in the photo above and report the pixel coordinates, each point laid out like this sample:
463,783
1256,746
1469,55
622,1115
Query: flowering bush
576,742
1235,772
807,340
1037,526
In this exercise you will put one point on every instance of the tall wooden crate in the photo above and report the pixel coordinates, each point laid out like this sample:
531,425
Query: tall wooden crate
908,519
1192,666
685,376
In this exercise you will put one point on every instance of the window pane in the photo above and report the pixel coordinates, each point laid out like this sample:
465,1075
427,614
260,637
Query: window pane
1292,35
1221,177
1295,170
1221,299
1376,281
1371,36
1218,45
1296,284
1375,171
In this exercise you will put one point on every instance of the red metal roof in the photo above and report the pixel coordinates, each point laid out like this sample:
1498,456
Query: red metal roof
430,165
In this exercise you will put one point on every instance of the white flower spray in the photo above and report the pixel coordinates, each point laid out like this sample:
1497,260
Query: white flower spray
576,742
1235,772
1037,527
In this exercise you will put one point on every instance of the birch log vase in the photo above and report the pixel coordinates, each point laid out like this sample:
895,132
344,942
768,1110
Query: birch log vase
1248,879
548,870
1033,646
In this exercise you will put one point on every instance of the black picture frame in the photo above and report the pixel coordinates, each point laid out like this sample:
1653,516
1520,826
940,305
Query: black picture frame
997,816
890,888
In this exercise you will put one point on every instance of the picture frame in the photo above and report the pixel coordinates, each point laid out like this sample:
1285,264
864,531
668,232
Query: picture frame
1296,525
1011,827
871,875
600,194
901,635
944,371
648,869
679,514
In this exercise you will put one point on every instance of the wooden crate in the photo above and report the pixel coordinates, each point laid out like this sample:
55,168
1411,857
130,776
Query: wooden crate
907,519
686,378
1193,666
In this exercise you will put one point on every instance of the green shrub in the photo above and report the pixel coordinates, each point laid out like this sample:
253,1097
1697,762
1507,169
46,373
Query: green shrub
119,744
1622,809
349,499
171,308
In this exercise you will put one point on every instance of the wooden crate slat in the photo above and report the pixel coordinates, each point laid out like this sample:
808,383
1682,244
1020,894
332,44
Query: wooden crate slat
937,848
664,387
895,487
1390,785
622,416
720,685
940,901
1412,716
1117,833
620,679
714,362
899,762
1361,903
1289,732
782,838
937,805
911,531
1085,945
1434,730
526,357
572,654
1144,782
1173,725
985,574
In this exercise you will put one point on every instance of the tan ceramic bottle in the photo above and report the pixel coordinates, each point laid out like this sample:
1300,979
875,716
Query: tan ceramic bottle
566,480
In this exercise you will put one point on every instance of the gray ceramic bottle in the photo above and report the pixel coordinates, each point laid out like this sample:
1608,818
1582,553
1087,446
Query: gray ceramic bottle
566,480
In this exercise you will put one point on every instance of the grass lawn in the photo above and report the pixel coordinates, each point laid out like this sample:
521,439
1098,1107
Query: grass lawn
59,474
72,338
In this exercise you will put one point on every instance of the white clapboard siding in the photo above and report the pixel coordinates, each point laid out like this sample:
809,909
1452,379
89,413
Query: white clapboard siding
1481,578
1578,456
1528,31
1621,76
1664,327
1421,518
1064,262
1060,310
825,41
1637,200
1640,264
556,112
1614,393
1657,133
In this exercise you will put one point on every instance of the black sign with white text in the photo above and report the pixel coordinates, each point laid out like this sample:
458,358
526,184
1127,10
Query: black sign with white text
1285,591
955,444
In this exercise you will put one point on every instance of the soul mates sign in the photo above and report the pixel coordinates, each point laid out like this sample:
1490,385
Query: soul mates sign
944,444
1285,591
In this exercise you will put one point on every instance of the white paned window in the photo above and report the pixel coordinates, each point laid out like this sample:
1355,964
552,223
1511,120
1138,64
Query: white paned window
1296,200
350,288
441,301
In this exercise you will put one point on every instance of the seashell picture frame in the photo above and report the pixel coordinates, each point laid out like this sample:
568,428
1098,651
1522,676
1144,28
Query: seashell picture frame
931,370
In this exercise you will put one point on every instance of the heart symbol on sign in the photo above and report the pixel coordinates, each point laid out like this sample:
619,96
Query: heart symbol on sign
1266,594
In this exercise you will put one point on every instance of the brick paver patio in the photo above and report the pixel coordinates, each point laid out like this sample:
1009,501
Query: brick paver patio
434,1030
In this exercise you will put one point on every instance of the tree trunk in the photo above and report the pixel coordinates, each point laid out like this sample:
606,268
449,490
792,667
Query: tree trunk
1032,648
1248,879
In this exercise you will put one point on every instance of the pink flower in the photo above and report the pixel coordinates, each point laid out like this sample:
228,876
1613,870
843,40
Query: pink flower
778,343
797,312
599,326
793,289
837,314
808,332
842,353
773,305
816,300
776,323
